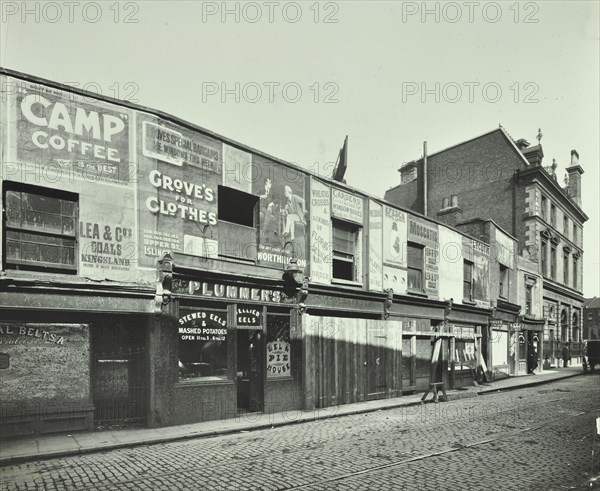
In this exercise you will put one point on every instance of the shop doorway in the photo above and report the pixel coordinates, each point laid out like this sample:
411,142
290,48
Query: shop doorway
250,374
376,362
119,374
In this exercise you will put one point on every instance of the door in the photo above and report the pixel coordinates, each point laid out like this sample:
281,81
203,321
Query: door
119,374
376,362
250,376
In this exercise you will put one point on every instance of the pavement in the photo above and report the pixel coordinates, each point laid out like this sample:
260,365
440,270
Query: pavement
51,446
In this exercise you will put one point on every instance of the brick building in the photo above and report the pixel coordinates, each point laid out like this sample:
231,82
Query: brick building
591,318
495,177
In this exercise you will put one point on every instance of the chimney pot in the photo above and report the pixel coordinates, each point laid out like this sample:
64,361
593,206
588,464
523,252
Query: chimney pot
445,202
454,201
574,157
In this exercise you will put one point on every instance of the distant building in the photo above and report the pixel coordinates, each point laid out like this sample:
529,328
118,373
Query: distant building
495,177
591,318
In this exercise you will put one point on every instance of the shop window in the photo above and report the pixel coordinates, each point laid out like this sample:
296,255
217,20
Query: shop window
544,206
415,266
278,346
566,268
468,280
464,354
544,254
553,263
504,281
553,215
345,238
41,228
203,340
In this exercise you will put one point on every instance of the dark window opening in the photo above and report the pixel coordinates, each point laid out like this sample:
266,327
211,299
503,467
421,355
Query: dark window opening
566,269
553,263
40,228
344,250
468,280
237,207
504,281
544,253
415,266
528,297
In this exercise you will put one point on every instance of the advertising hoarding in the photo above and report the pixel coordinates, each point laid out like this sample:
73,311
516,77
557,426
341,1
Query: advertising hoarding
375,246
422,232
180,171
320,233
283,214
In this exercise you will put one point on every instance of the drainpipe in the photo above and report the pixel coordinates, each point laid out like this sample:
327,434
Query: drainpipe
425,178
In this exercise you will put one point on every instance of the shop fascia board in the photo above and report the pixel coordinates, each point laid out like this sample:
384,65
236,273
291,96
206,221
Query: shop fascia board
107,288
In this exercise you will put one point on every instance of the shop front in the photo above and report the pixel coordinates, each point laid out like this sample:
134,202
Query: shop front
227,347
73,361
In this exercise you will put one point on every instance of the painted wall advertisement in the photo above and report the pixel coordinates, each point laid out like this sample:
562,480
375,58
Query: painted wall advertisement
479,254
394,249
375,246
47,362
70,137
320,233
346,206
504,252
283,213
423,232
180,171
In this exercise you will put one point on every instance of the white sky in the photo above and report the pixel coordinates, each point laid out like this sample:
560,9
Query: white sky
547,71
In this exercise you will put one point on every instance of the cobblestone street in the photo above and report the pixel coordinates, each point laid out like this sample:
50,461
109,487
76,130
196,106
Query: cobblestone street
535,438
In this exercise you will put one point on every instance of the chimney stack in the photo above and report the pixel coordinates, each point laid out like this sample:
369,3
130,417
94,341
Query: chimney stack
450,214
575,171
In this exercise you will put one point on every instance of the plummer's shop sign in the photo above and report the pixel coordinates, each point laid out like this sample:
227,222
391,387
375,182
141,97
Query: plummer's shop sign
233,292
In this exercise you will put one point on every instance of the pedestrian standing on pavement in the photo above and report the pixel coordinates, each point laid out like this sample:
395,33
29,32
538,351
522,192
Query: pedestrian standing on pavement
566,352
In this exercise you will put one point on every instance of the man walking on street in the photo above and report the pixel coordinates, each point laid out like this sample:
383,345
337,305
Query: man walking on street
566,352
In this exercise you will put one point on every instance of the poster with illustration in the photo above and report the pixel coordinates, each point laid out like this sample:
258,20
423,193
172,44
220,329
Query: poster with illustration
283,213
394,249
180,171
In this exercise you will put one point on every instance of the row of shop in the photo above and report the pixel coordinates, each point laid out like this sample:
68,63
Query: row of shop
228,346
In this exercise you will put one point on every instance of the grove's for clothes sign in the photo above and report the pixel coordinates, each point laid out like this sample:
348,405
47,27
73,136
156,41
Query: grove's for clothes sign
346,206
278,359
321,249
180,171
76,138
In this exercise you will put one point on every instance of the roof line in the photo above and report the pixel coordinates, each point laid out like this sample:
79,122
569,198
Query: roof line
500,128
